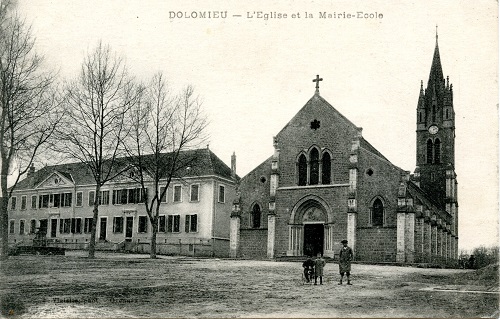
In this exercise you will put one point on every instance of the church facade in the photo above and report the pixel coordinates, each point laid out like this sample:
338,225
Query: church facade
325,183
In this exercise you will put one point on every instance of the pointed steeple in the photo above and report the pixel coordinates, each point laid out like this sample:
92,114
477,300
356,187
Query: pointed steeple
436,74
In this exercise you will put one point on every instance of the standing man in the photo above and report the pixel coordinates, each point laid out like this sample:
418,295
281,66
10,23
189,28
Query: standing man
345,258
319,264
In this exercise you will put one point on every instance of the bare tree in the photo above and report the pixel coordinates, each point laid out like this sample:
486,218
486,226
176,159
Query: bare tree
29,110
163,126
97,103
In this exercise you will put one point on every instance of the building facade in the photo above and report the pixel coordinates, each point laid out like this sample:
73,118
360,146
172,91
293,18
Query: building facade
325,183
194,214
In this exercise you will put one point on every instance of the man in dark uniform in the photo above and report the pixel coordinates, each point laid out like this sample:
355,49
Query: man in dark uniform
308,268
345,258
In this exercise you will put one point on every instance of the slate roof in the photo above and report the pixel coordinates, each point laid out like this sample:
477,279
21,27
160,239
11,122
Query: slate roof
201,162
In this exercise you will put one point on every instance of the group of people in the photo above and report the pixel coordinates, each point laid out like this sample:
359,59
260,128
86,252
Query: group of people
313,268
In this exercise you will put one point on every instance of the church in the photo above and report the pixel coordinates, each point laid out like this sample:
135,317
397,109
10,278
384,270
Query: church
325,182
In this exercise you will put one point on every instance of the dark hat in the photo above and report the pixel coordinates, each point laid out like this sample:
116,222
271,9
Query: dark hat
344,241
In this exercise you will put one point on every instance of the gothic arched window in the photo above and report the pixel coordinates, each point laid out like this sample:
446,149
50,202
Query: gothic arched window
326,173
256,216
437,151
377,213
314,173
302,170
429,151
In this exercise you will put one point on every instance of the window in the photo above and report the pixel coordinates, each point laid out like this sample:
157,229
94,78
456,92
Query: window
222,195
163,195
326,173
302,170
21,227
11,226
314,172
429,151
66,199
115,199
55,199
32,226
128,196
143,224
87,227
91,198
447,114
133,196
437,151
195,192
79,199
177,193
67,226
377,213
33,202
173,225
23,202
43,201
73,225
78,225
162,223
256,216
13,202
191,225
118,225
104,199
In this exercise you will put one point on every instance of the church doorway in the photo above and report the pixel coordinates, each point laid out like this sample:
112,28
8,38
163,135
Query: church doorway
310,231
313,239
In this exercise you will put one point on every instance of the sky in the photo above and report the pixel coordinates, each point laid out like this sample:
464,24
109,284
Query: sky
254,70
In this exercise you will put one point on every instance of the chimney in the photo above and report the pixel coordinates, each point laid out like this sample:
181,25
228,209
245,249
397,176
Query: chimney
31,171
30,175
233,165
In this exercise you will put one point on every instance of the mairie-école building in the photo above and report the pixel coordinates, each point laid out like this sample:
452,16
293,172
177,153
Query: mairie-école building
324,183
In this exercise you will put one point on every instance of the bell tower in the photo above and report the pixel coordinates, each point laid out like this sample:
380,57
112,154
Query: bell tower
435,172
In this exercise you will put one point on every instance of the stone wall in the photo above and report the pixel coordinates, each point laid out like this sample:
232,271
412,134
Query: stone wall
253,243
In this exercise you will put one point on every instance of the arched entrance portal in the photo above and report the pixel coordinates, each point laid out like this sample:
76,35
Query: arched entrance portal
310,231
313,220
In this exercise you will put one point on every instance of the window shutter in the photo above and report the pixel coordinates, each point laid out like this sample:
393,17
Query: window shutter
170,223
194,223
187,224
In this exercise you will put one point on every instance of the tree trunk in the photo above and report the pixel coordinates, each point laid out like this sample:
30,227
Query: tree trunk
4,224
4,213
152,253
94,223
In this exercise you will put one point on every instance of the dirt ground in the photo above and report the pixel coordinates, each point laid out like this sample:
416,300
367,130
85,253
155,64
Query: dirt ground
118,285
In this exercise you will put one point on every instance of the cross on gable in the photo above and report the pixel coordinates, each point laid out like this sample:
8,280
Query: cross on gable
315,124
317,82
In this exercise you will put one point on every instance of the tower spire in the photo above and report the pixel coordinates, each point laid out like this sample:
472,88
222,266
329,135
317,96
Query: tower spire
436,74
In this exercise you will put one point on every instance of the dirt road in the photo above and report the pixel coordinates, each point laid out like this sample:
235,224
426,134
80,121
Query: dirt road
116,285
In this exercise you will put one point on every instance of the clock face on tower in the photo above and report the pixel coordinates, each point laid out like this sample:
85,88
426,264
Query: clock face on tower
433,129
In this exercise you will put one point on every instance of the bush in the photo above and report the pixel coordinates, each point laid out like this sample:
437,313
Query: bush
483,257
